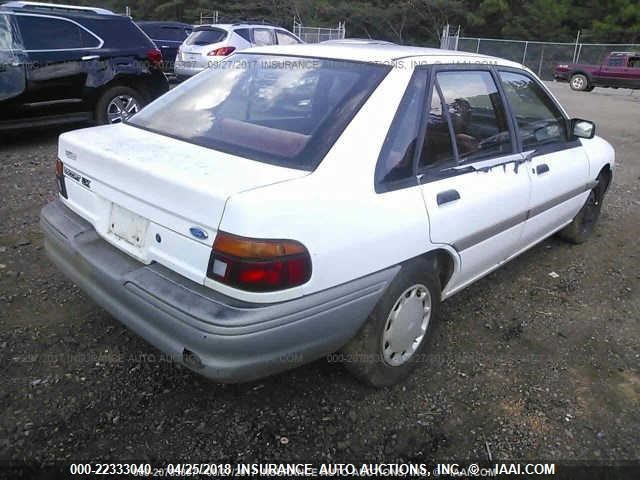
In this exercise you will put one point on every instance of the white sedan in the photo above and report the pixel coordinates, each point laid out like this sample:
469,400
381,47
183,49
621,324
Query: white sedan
302,200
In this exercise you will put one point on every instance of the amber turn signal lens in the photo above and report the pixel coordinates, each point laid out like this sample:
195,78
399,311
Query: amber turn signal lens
254,249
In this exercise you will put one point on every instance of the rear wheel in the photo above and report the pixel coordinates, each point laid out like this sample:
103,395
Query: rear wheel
582,226
579,82
395,337
117,104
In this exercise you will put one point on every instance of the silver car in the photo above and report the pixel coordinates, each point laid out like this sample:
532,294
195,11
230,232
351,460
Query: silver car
210,43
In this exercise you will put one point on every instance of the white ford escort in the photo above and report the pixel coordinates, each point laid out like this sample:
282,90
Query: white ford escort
302,200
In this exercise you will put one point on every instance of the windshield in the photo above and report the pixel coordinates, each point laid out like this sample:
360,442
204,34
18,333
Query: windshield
206,36
283,110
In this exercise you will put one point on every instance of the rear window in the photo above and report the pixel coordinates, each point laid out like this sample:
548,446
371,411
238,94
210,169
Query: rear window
283,110
206,36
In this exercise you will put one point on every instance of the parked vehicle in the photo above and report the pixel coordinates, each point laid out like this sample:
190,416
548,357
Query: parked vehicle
61,64
618,70
168,36
295,201
210,43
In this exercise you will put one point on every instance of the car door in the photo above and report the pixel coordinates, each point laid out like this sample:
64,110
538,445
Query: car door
632,72
557,164
612,71
60,52
12,68
474,188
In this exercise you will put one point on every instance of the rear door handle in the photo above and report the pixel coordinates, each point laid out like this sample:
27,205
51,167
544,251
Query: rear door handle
542,168
447,196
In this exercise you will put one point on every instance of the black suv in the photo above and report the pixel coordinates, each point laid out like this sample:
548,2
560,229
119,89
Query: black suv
63,64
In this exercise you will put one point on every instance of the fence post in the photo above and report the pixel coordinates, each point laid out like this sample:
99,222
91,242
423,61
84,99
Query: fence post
541,59
575,50
478,46
524,55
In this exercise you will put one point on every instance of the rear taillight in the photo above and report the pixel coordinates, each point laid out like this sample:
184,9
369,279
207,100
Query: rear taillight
155,57
221,52
62,188
258,265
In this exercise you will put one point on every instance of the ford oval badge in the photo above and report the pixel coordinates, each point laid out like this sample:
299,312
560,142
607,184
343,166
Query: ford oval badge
199,233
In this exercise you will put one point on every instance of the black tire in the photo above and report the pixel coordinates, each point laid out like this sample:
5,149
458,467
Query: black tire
589,88
579,82
101,113
364,356
583,225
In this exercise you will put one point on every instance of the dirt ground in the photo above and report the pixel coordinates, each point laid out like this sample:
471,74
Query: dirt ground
527,366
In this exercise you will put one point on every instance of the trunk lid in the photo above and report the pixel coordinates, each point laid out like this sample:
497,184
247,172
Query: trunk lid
154,197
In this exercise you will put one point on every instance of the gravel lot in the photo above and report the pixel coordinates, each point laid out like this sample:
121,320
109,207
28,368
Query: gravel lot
527,365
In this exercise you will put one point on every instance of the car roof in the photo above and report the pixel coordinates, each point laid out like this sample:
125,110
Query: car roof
166,23
54,8
380,53
229,26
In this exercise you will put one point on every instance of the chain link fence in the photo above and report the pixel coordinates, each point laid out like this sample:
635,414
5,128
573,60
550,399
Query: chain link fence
541,57
318,34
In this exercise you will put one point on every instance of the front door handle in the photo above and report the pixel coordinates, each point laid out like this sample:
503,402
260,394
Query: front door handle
542,168
447,196
86,58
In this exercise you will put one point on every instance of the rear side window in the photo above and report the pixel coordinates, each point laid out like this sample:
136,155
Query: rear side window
244,33
396,158
283,110
616,62
262,36
437,148
476,112
46,33
539,121
285,38
206,36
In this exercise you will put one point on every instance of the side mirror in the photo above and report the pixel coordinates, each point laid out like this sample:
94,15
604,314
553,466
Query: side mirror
582,128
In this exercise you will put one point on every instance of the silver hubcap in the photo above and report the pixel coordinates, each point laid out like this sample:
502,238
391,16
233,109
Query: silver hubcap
406,325
578,82
121,108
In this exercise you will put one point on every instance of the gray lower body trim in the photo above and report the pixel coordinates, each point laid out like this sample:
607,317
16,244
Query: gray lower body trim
232,340
496,229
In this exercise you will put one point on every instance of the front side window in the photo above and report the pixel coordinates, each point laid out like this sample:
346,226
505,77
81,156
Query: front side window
6,36
285,38
396,158
476,112
46,33
283,110
262,36
634,62
539,121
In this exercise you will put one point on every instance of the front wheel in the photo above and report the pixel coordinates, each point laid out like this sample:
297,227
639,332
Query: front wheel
117,104
579,82
582,226
394,339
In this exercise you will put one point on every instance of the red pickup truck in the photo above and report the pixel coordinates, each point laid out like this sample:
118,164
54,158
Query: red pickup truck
618,70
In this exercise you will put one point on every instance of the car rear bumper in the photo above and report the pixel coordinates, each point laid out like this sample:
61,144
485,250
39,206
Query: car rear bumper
217,336
187,69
